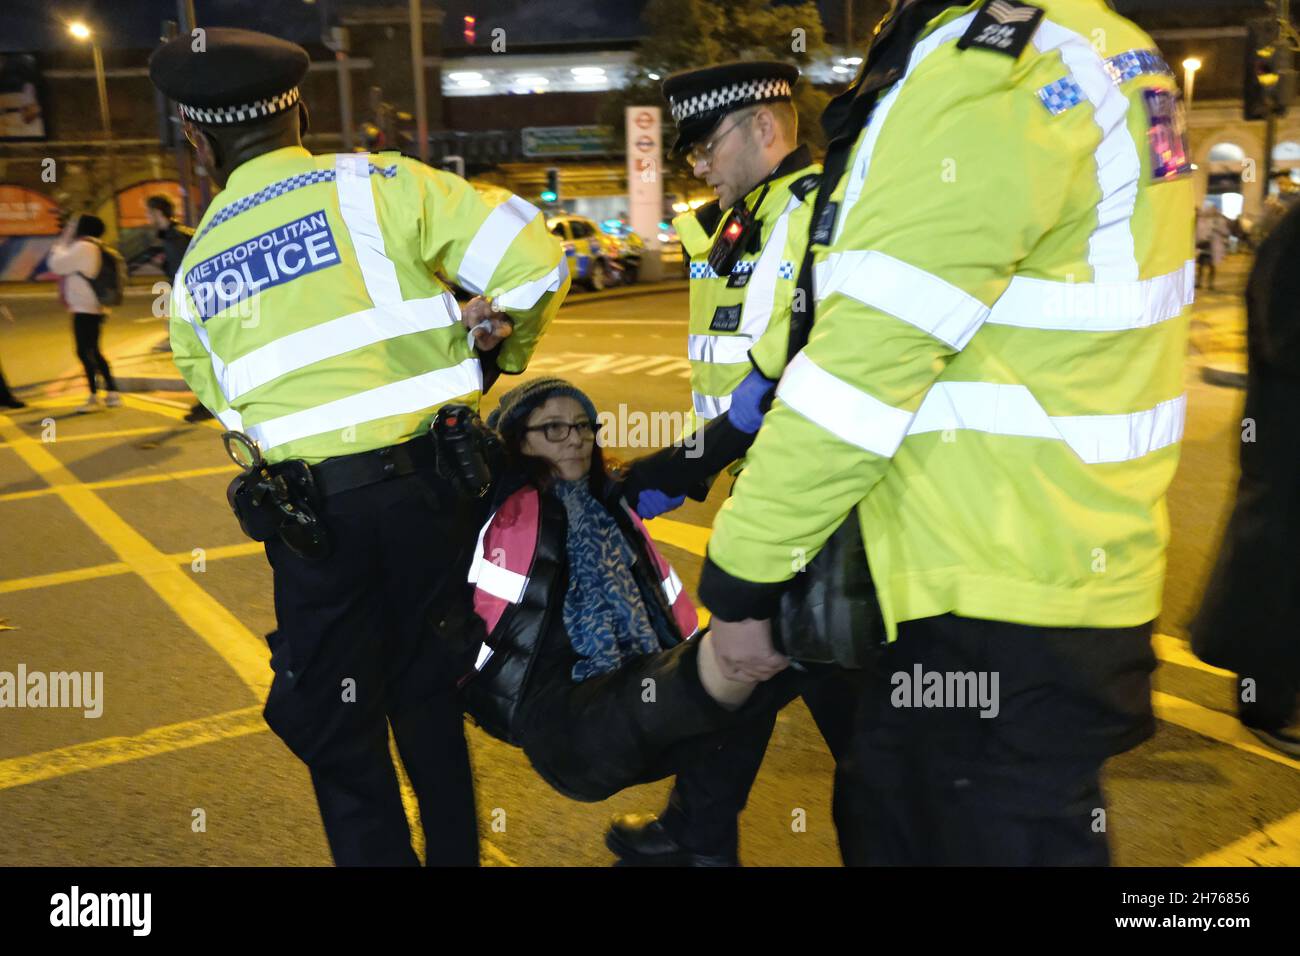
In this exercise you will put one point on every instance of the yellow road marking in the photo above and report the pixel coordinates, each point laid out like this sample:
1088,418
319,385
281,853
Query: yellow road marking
171,410
90,436
1225,728
117,567
33,768
123,482
1175,651
688,537
494,851
245,653
63,577
53,402
1274,844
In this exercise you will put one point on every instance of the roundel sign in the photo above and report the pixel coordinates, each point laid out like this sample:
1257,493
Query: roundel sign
644,120
645,143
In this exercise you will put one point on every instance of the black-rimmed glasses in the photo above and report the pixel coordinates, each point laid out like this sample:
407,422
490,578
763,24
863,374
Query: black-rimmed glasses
559,431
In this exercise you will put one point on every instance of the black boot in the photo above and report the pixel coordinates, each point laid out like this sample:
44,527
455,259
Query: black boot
640,839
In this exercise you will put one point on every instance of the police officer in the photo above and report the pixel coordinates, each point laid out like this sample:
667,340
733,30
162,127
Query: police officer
994,386
308,314
738,130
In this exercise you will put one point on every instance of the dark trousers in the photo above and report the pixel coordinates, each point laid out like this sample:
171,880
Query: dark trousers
942,785
712,788
642,722
85,332
353,654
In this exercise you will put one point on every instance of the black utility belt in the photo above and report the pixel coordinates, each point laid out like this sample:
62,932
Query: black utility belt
349,472
284,499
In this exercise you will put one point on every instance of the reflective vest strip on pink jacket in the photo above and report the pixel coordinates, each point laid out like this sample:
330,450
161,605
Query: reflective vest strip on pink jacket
503,560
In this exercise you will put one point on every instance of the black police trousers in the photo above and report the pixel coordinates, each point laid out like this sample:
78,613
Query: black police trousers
943,785
713,786
641,722
353,654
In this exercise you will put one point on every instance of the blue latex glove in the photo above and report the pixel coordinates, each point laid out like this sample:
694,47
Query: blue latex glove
746,411
651,503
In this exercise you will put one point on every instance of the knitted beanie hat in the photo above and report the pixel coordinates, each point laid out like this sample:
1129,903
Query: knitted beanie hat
518,403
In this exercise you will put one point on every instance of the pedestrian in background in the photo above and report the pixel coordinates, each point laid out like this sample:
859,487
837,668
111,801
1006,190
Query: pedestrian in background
1212,231
76,256
1247,621
7,398
175,238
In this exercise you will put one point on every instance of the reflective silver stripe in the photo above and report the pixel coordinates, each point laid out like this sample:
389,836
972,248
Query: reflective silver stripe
492,578
394,398
357,204
328,339
1095,306
935,307
842,409
1111,251
180,306
672,586
490,243
501,582
760,292
861,161
484,654
719,349
230,418
709,406
1013,410
931,304
524,297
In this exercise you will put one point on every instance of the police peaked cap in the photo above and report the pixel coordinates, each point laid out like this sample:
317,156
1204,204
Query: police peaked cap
699,98
236,76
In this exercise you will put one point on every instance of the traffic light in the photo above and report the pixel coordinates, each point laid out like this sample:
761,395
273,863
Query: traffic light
1269,70
552,191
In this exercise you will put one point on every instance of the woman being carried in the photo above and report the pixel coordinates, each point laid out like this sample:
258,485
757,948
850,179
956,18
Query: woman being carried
590,658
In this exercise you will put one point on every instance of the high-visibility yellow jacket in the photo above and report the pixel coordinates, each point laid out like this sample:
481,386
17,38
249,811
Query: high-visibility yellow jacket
309,312
994,378
746,314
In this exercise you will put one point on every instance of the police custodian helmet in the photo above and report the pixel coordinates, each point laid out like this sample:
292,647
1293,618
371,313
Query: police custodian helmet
700,98
224,76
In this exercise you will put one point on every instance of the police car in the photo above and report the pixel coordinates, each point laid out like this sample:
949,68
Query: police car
594,258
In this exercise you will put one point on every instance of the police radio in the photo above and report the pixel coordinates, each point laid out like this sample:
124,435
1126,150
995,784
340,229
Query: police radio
737,229
467,450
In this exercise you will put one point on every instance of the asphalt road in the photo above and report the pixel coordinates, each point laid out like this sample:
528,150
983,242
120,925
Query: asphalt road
118,554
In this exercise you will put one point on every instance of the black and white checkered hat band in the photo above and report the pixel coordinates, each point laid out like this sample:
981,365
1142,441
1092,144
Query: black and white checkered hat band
218,115
748,91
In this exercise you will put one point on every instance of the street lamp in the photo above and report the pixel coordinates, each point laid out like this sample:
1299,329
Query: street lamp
1190,66
80,31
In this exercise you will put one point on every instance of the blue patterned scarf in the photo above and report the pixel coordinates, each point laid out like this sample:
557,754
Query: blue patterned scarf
603,611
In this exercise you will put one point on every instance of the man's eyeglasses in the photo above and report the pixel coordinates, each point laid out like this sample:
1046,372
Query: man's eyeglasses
703,152
559,431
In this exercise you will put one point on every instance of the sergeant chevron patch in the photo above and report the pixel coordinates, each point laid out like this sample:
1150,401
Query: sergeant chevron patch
1003,26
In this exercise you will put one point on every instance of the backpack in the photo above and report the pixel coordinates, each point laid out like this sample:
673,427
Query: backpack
109,283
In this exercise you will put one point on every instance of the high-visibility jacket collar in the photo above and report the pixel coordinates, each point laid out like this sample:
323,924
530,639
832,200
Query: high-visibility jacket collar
266,167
